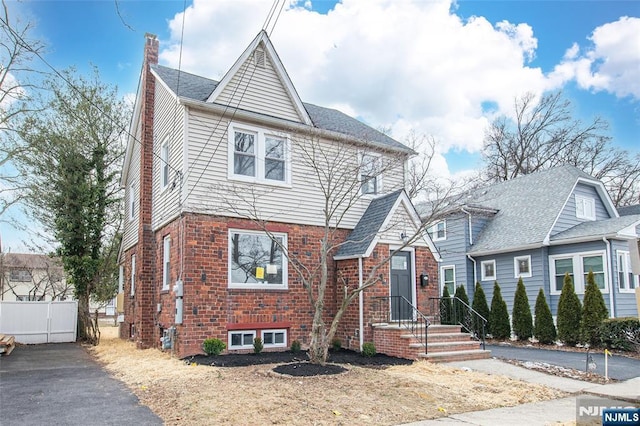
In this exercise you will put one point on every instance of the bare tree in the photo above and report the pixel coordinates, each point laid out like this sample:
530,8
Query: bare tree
17,85
35,277
543,134
332,169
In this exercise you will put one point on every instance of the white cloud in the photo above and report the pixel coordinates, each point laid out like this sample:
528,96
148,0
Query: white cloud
611,64
408,64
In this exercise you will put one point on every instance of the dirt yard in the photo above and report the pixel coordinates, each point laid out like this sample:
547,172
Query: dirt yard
194,394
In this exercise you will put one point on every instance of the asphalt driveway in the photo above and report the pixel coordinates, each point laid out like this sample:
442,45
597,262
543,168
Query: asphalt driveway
61,384
620,368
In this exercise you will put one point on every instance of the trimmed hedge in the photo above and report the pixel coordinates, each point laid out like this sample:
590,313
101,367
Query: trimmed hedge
460,309
544,329
499,317
569,313
620,333
594,311
480,306
522,321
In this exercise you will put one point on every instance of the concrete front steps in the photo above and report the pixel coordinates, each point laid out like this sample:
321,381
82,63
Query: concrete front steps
446,343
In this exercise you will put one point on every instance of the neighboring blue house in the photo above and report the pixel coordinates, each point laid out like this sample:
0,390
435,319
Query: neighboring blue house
539,227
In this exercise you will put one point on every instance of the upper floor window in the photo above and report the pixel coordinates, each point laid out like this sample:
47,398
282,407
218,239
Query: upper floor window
585,208
522,266
20,275
256,260
626,280
488,268
370,182
132,202
164,164
438,231
257,155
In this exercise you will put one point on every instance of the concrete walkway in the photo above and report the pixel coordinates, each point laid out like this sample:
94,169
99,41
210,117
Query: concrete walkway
626,393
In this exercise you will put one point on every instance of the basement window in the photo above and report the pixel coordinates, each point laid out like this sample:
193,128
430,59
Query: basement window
241,339
274,338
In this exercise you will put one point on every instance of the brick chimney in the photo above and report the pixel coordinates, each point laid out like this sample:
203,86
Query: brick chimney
145,312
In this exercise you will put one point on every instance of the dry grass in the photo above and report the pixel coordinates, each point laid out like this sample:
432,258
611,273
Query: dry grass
190,394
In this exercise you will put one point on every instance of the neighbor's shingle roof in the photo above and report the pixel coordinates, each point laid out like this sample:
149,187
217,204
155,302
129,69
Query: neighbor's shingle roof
369,225
599,228
527,208
30,261
199,88
629,210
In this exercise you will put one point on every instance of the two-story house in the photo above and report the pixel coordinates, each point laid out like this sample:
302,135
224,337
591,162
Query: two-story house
539,227
30,277
231,185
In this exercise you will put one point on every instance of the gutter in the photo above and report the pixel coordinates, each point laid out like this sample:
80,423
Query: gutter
361,305
612,311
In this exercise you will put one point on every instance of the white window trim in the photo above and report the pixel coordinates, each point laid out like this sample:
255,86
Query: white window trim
516,272
586,201
433,231
164,165
274,345
486,277
378,177
166,262
256,286
132,202
442,282
629,287
231,333
261,135
133,274
579,282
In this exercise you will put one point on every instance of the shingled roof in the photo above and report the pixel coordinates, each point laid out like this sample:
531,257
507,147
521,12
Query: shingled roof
198,88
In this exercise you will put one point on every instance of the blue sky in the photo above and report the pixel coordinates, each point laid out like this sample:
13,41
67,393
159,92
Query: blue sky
428,66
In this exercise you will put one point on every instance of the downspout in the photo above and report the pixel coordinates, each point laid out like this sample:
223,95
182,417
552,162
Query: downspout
469,223
475,274
361,304
612,309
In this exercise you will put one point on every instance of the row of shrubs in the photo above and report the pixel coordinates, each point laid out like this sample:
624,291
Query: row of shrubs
214,346
576,323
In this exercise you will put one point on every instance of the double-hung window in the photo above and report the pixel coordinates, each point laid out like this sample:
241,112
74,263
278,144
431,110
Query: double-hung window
257,155
166,262
164,164
370,174
438,231
578,266
627,282
448,274
256,260
132,202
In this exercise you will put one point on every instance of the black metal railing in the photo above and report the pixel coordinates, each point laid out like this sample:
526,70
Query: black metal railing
399,310
454,311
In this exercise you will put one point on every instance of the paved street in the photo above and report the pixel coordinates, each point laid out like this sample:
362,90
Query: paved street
61,384
620,368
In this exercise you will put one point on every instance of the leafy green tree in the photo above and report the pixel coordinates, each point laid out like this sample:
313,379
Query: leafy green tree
71,170
521,314
594,311
480,306
569,313
460,309
446,307
544,329
499,317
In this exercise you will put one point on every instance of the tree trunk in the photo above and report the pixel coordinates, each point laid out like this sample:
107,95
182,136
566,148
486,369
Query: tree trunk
87,327
319,345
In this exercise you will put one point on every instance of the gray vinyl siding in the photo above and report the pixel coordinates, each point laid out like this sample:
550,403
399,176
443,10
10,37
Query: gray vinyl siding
567,218
453,250
477,225
168,126
209,189
259,89
130,234
625,302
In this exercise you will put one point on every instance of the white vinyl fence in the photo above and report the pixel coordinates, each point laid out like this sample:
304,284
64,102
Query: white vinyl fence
39,322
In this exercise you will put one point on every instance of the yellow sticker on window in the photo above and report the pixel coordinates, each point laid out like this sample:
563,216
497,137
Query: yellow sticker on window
260,272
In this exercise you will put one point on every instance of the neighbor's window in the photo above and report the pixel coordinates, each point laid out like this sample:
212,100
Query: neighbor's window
369,174
449,279
585,208
166,262
29,298
258,155
274,338
438,231
488,270
626,280
20,275
164,164
241,339
522,266
256,260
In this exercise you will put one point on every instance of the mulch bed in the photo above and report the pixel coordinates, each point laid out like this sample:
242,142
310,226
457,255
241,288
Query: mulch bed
296,364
